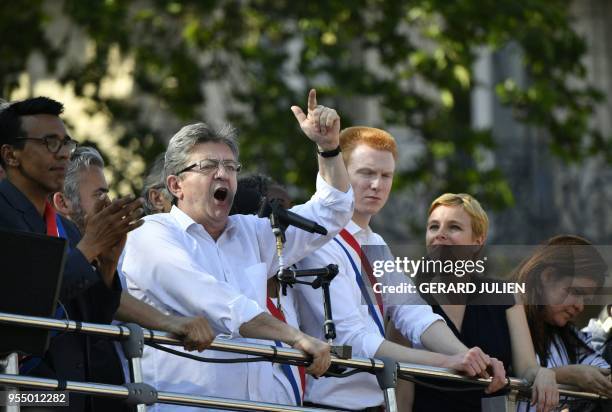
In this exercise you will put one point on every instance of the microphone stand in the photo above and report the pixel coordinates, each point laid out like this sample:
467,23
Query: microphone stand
323,278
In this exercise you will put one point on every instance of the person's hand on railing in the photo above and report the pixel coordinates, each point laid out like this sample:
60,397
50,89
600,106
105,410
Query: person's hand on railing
476,363
544,391
320,351
498,373
195,332
590,378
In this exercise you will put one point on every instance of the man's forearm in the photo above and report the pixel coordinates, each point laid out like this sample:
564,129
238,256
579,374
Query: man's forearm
265,326
134,310
439,338
333,171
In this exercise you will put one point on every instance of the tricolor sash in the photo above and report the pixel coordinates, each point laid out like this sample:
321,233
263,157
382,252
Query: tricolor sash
293,373
354,253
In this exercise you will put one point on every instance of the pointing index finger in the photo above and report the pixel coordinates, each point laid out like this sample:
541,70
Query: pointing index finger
312,99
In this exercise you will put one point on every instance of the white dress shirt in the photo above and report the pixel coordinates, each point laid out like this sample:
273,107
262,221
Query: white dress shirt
284,393
354,324
172,263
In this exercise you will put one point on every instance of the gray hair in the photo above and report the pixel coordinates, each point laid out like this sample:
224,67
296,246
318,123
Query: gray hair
184,140
155,180
82,158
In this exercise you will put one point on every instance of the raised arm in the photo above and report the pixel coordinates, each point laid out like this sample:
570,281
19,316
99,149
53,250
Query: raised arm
322,125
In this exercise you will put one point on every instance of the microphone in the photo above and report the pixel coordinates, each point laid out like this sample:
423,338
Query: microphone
288,218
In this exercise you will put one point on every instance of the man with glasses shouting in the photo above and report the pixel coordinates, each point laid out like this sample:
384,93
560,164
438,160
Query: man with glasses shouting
197,260
35,148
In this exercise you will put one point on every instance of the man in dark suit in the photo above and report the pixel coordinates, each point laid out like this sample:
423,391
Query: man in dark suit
35,149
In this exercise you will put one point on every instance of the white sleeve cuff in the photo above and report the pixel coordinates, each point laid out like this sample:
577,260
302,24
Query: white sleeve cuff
244,311
421,326
371,343
329,195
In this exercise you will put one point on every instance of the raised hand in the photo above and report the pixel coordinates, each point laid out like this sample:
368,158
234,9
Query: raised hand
321,124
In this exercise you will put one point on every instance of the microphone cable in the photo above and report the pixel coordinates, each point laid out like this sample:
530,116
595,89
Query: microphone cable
175,352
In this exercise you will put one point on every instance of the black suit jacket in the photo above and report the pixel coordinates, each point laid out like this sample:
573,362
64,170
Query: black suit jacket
72,356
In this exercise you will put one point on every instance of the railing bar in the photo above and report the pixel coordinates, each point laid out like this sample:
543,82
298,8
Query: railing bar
163,338
287,354
163,397
409,369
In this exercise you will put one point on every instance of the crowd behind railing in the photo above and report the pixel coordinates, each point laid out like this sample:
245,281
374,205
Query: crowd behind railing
203,264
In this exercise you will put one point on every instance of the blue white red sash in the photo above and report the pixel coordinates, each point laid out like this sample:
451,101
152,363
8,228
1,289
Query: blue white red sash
353,251
294,374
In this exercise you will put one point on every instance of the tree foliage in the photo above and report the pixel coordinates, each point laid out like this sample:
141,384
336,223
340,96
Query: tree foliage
413,57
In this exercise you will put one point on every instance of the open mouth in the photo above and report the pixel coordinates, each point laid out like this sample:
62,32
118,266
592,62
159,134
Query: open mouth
220,194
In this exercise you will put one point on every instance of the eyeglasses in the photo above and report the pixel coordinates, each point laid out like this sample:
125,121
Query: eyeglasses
208,166
54,144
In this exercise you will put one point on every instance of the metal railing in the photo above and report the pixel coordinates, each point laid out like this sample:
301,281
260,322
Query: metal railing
121,392
387,371
286,355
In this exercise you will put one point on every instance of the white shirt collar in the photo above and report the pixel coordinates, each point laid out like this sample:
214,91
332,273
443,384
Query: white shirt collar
356,230
185,221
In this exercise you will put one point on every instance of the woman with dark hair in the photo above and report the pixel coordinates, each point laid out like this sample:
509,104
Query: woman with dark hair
558,277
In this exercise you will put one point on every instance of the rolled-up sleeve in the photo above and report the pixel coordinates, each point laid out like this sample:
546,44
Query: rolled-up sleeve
331,196
408,311
413,320
157,265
